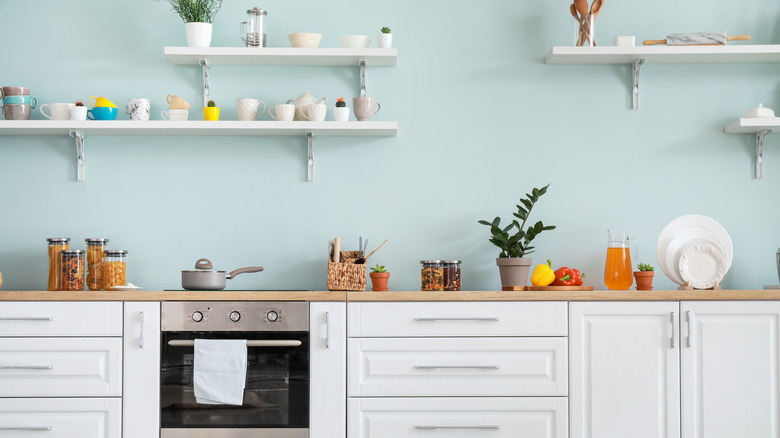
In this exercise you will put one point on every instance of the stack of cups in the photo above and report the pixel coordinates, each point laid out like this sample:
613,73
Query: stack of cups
17,103
178,109
102,109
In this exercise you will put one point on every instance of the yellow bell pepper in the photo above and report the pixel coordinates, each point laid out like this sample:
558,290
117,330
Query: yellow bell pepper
543,275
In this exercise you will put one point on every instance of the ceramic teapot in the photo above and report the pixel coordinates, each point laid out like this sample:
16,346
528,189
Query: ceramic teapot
302,102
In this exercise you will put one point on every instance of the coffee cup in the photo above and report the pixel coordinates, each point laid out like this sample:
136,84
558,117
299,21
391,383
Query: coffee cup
139,108
21,99
175,115
101,102
315,112
78,112
176,102
13,91
16,111
102,113
57,111
364,107
284,112
247,109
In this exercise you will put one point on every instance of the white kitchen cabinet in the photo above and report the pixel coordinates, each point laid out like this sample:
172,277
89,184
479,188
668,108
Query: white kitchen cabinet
731,374
328,369
141,398
61,417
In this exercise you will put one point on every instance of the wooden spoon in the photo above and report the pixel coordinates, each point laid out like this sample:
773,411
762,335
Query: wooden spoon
362,260
596,7
582,8
576,16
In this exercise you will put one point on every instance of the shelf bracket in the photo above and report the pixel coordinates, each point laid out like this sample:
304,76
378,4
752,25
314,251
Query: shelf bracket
79,136
310,158
204,63
760,139
362,78
635,68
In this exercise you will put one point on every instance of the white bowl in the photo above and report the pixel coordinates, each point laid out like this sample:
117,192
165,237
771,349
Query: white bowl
305,39
355,41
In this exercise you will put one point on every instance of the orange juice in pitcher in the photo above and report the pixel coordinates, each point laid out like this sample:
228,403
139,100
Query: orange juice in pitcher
618,271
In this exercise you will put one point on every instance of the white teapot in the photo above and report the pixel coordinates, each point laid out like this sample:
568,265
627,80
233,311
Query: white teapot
302,102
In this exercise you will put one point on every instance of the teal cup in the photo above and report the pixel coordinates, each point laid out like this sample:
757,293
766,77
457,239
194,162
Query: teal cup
102,113
20,100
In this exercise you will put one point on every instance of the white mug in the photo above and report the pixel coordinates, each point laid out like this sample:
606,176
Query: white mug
139,108
247,109
175,115
364,107
58,111
284,112
315,112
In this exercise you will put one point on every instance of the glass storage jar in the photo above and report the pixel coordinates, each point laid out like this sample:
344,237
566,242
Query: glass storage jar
451,274
73,268
95,248
431,274
114,268
56,245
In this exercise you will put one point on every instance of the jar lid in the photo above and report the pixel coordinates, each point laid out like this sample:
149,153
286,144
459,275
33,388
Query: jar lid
58,239
452,261
95,241
256,11
115,252
430,261
72,252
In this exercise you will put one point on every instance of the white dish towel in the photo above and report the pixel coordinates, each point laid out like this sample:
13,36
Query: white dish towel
219,371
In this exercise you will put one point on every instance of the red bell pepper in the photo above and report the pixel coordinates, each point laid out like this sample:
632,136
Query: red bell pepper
566,276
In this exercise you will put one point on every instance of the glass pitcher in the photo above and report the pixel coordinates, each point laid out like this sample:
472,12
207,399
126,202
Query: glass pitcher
251,30
618,272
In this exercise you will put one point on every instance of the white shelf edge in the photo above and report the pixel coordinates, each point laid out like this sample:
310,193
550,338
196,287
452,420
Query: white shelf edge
734,53
752,125
281,56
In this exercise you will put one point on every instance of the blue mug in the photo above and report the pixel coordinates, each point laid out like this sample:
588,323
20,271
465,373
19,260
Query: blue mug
20,100
102,113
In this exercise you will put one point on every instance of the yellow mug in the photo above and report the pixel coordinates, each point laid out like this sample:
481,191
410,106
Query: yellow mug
100,101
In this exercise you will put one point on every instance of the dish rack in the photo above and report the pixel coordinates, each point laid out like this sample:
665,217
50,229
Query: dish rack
347,275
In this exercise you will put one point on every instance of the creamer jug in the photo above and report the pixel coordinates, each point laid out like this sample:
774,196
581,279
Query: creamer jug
618,271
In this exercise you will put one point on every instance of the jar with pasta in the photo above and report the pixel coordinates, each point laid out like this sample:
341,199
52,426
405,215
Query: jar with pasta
95,249
431,274
56,245
73,268
114,268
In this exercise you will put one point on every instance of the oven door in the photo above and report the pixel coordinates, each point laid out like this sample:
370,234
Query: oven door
276,396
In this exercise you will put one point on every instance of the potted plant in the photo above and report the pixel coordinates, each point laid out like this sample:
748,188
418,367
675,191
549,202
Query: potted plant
385,39
341,113
78,111
211,112
513,266
644,277
379,277
198,16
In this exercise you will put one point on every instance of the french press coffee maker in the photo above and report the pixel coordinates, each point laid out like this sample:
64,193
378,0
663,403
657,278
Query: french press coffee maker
251,30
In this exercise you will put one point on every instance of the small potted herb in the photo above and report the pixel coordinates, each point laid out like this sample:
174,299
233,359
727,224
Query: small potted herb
78,111
211,112
644,276
198,16
341,113
379,277
385,39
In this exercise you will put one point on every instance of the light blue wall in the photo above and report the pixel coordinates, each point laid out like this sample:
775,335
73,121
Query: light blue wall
482,120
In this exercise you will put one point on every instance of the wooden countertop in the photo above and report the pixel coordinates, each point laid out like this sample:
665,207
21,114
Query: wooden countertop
633,295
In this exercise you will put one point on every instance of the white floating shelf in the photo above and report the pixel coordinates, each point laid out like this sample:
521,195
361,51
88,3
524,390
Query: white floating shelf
752,125
281,56
728,54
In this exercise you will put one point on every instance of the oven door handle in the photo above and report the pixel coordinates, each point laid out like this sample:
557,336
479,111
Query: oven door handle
249,343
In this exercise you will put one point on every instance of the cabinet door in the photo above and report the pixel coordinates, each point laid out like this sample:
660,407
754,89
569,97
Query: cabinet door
142,370
730,369
624,369
328,394
61,417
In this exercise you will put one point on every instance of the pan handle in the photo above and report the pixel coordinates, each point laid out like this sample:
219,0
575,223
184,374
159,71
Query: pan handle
247,270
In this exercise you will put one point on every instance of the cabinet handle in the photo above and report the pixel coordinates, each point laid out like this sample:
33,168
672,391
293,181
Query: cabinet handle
478,426
688,319
327,329
672,319
478,318
141,334
26,367
478,367
249,343
26,318
25,428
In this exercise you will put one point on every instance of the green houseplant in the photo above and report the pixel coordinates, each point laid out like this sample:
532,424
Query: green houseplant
385,39
379,277
198,16
512,264
644,276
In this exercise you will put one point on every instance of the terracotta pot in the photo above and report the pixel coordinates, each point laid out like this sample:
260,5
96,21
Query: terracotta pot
644,280
513,271
379,281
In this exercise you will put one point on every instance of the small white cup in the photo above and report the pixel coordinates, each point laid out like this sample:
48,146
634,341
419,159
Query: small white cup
78,112
138,108
247,109
175,115
341,114
284,112
625,40
315,112
58,111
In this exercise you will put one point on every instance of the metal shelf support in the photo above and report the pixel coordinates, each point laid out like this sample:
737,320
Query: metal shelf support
362,78
79,136
635,70
310,158
760,140
204,63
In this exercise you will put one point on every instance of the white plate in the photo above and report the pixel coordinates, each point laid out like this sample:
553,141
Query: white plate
686,228
703,265
125,288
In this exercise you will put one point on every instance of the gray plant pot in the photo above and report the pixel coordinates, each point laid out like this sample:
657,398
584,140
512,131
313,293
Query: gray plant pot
513,271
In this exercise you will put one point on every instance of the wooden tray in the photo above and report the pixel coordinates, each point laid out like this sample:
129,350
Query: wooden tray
549,288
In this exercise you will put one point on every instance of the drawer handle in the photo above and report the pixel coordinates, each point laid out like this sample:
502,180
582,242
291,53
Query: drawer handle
26,367
249,343
477,318
479,426
479,367
26,318
26,428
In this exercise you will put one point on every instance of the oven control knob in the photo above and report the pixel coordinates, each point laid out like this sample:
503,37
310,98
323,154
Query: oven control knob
197,316
272,316
235,316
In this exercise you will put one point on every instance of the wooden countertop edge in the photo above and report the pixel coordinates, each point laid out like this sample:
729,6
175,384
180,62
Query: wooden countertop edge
660,295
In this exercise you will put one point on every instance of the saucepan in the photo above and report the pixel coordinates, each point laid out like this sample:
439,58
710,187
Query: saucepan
204,277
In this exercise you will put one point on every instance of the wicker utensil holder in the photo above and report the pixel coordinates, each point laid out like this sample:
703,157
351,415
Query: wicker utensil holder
347,275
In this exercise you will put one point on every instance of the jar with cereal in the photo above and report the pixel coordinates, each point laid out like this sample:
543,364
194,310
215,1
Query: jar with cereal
431,274
114,268
56,245
451,274
95,249
72,269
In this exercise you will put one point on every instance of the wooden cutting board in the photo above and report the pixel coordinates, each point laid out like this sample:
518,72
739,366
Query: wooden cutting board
549,288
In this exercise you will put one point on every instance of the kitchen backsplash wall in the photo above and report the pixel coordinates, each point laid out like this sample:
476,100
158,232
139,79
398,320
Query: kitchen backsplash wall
482,120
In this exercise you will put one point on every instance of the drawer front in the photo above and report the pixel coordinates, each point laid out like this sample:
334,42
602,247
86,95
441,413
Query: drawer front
43,367
528,417
458,366
61,418
23,318
480,318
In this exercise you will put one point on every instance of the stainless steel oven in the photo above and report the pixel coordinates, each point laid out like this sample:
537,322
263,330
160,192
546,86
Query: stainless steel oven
276,394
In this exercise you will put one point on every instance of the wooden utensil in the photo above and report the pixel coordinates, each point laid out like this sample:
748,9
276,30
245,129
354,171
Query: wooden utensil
595,8
576,16
362,260
697,39
336,249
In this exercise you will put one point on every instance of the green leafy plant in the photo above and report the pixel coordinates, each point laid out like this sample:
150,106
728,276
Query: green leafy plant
385,30
196,11
211,104
378,268
644,267
518,244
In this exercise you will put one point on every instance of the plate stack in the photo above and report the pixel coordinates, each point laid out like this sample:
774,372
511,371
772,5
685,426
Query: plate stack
694,251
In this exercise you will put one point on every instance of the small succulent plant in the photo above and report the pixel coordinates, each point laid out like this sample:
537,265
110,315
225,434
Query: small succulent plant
211,104
340,103
79,103
644,267
385,29
378,268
